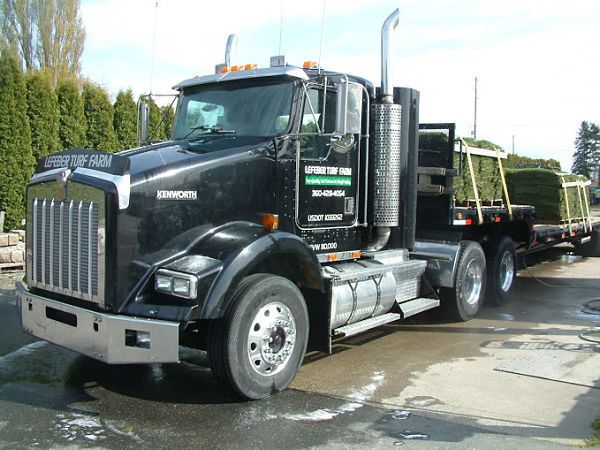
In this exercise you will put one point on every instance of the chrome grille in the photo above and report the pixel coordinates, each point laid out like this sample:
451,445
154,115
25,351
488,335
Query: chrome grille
64,254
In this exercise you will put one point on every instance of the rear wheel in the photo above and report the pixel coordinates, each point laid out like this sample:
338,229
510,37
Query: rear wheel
501,270
464,300
259,345
591,248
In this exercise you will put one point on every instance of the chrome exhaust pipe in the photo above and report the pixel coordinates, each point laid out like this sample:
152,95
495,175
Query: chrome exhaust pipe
230,49
389,25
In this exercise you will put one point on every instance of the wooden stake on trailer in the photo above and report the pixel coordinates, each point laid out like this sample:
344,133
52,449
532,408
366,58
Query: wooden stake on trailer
473,180
504,187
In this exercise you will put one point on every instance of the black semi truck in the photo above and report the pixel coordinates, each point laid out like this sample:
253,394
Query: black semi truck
282,214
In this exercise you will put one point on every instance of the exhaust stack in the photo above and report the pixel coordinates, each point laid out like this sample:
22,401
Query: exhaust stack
389,25
230,49
386,154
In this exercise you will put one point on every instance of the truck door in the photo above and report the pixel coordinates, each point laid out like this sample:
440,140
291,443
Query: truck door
327,168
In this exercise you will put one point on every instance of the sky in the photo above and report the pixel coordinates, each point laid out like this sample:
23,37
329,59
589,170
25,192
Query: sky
537,62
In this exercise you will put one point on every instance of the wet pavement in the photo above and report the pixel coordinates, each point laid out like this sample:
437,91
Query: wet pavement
423,383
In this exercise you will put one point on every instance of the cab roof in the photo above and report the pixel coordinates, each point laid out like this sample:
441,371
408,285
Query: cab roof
289,71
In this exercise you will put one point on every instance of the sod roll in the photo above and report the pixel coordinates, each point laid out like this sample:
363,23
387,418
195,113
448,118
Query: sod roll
487,178
543,189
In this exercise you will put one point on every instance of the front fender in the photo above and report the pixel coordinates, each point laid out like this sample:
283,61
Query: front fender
248,254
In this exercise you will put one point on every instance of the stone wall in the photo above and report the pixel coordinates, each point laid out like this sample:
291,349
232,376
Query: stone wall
12,247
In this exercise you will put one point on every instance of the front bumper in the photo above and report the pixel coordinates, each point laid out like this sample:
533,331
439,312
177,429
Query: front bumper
106,337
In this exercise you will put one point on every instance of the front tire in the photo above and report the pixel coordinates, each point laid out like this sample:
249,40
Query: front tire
259,345
501,270
464,300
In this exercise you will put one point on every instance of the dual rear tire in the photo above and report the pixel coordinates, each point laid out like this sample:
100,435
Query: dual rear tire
490,275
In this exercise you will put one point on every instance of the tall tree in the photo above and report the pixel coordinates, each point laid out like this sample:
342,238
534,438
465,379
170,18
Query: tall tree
16,160
72,125
125,119
99,116
586,158
17,28
60,36
43,113
44,34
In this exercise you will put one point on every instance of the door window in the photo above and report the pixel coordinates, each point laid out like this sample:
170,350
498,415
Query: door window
315,119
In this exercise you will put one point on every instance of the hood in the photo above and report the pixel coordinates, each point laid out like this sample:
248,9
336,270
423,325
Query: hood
153,159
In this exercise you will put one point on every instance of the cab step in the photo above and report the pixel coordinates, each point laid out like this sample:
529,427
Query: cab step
364,325
417,305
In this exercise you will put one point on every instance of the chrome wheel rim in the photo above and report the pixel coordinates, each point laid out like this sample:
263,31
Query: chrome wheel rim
473,282
507,271
271,339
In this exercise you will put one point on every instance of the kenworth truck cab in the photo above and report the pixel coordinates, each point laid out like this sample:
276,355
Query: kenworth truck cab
280,216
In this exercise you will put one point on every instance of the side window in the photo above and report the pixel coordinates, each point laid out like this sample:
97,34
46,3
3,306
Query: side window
314,118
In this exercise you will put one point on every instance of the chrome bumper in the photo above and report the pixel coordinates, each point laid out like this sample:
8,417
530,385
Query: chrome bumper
106,337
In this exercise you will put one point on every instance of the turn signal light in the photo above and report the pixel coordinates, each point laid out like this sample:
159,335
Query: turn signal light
270,221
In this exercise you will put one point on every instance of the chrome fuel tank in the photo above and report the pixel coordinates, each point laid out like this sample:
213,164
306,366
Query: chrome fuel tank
360,290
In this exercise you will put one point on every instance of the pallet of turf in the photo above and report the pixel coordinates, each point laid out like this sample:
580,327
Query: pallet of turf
544,189
487,176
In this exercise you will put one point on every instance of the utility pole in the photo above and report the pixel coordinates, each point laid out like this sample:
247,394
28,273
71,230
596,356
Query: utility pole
475,113
513,144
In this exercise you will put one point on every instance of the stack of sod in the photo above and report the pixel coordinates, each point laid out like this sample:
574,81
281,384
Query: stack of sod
487,177
432,152
543,189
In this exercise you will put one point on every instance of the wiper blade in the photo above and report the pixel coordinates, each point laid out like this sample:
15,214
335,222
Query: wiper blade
214,130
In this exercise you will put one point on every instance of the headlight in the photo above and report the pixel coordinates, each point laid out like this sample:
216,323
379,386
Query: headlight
176,283
181,286
163,283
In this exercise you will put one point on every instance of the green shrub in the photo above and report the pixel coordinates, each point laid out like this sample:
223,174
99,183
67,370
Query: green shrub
72,127
99,118
43,113
16,159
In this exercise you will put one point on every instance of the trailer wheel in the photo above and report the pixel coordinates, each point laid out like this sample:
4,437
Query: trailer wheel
591,248
259,345
464,300
501,270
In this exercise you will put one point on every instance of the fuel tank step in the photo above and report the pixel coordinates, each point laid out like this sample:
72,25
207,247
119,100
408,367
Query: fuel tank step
412,307
364,325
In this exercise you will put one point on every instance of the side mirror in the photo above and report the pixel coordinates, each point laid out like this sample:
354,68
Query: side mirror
348,108
142,122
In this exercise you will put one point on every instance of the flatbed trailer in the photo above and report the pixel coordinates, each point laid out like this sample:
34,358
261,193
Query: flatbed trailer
503,230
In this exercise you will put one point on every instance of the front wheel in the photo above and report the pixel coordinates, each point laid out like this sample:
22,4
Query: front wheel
463,301
501,271
259,345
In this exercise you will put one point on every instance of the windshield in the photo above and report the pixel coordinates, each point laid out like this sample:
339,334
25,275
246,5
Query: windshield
245,108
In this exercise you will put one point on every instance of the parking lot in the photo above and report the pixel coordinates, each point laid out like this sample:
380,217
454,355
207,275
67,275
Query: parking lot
517,376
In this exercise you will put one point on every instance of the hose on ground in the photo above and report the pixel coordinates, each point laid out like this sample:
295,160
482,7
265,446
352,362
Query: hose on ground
550,285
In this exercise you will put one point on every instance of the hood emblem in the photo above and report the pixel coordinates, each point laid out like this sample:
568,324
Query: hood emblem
61,181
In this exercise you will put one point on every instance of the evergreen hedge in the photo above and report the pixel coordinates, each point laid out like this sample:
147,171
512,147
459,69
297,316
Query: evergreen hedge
16,159
125,121
72,126
99,118
43,113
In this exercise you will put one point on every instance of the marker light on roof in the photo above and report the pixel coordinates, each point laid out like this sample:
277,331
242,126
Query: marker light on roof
310,65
